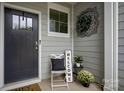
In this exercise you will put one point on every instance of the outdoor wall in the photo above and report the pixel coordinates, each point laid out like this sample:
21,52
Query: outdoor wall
92,47
50,44
121,47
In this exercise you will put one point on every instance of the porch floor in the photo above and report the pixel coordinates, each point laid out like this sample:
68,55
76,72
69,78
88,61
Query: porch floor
74,86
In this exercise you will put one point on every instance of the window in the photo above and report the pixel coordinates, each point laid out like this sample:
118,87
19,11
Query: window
58,20
21,23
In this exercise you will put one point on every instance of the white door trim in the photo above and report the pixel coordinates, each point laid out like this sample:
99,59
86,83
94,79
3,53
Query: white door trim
39,38
1,47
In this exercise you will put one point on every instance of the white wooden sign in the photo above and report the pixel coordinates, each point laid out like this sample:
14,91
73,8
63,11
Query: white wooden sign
68,56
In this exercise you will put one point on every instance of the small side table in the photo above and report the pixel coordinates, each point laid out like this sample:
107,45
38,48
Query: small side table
76,70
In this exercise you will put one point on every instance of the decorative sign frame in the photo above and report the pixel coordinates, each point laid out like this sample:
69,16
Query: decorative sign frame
68,55
87,22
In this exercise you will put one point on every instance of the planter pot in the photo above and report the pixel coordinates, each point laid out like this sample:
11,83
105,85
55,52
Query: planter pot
86,85
78,64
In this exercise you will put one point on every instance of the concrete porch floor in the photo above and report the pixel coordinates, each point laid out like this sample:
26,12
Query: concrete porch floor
74,86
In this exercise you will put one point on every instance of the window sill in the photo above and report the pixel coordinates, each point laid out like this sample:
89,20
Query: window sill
55,34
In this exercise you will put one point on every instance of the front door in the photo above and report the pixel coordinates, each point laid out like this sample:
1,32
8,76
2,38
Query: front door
21,47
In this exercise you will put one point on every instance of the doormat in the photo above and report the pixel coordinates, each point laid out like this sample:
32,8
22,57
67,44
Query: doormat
33,87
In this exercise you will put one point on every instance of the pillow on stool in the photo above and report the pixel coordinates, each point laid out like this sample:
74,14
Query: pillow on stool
58,64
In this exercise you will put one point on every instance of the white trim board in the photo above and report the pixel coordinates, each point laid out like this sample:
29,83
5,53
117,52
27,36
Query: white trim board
111,46
2,42
115,46
108,45
72,28
1,47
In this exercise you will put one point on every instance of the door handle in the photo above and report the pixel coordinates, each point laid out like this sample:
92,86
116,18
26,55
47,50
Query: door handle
37,43
36,48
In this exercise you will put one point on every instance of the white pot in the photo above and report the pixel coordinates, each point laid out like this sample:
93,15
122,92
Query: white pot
78,64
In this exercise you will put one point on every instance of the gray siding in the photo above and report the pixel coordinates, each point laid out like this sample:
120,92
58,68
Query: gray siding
50,44
91,48
121,47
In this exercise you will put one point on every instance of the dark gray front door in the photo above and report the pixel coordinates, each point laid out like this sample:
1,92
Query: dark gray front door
21,52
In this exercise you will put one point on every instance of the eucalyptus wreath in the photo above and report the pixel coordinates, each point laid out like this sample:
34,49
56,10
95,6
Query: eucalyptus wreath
87,22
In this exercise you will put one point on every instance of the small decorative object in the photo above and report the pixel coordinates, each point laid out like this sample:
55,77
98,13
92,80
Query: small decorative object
78,60
85,77
87,22
69,65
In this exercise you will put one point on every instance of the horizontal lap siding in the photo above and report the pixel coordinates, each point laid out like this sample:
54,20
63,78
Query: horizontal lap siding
121,47
50,44
91,48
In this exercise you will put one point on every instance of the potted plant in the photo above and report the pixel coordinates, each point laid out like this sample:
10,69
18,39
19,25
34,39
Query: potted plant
78,60
85,77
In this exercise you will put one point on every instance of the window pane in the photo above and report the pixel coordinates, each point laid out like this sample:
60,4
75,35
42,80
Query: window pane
57,26
63,28
29,24
15,22
54,26
22,23
64,17
54,15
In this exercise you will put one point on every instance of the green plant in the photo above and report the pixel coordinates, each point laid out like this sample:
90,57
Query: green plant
78,59
85,77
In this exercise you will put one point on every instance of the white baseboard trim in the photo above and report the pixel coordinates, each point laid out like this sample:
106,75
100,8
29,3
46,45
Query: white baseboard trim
20,84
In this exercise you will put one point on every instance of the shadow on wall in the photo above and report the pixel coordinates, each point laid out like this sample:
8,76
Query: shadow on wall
92,47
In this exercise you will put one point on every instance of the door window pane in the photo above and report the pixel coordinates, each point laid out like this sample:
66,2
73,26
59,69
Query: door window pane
15,22
63,28
29,24
22,23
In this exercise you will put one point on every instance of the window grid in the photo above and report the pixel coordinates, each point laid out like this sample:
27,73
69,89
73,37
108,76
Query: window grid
19,23
59,21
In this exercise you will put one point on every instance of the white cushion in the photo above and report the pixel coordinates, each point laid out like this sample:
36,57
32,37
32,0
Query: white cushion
57,56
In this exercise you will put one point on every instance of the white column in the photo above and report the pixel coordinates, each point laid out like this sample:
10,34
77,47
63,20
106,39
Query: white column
108,45
115,42
1,47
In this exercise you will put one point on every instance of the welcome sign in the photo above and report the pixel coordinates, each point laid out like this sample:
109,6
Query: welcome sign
68,59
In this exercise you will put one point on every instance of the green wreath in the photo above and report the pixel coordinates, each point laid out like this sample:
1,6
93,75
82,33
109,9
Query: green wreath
87,22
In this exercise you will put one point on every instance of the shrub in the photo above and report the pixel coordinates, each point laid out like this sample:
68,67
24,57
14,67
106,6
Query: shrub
85,77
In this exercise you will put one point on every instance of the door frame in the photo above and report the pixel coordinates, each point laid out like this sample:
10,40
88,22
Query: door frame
3,5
